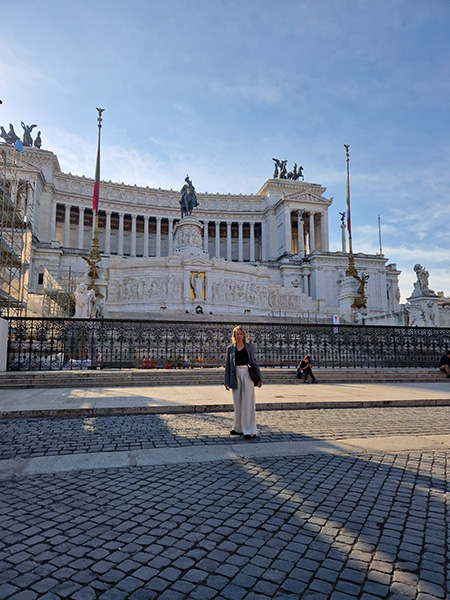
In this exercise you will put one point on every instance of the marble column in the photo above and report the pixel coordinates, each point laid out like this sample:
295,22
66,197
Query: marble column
228,241
217,239
158,236
325,238
300,234
241,242
81,227
312,235
288,230
66,242
252,242
30,203
108,233
133,235
53,221
146,218
120,245
170,245
205,237
264,241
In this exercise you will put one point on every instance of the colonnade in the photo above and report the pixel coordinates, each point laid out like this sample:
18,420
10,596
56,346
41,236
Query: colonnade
306,231
217,245
308,224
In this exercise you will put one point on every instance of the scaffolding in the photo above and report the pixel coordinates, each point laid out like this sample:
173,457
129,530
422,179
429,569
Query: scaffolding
15,235
59,293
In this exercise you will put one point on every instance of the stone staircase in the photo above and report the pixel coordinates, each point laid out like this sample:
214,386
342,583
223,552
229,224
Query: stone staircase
184,377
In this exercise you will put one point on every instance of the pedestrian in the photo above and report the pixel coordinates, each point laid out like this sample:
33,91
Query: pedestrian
305,369
241,360
444,363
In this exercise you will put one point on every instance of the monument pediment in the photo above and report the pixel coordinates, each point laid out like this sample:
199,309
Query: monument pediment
305,196
197,263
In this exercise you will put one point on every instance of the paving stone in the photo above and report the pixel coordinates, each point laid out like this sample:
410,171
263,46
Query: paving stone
233,592
88,593
292,525
352,575
351,589
321,586
427,587
376,589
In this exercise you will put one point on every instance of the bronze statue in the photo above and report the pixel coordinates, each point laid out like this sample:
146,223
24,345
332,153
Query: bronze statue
277,166
38,140
280,171
10,137
188,200
27,129
361,300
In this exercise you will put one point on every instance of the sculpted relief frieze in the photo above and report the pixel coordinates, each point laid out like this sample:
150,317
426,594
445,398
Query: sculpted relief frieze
239,292
131,289
189,235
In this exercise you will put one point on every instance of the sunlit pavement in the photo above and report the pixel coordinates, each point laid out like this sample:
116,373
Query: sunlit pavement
324,503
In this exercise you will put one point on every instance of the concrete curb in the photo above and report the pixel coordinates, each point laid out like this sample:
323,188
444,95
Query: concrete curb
206,408
253,450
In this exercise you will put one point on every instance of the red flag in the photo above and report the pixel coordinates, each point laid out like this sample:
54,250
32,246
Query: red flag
97,180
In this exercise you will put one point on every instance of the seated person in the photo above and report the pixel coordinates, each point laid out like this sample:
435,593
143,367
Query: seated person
444,363
305,369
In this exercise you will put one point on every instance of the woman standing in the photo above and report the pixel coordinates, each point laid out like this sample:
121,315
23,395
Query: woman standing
241,357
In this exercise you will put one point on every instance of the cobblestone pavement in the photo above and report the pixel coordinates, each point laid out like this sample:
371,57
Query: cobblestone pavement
322,527
57,436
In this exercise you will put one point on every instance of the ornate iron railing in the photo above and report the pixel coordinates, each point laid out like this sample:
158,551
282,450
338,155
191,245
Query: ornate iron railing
57,343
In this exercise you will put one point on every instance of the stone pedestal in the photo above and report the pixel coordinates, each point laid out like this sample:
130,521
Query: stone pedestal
423,310
187,238
347,297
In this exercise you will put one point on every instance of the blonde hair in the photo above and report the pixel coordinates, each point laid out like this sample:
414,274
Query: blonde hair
233,335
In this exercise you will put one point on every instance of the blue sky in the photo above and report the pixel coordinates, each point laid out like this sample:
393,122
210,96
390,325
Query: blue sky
216,88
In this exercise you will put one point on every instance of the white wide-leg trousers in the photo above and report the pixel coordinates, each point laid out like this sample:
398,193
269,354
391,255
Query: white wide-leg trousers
244,403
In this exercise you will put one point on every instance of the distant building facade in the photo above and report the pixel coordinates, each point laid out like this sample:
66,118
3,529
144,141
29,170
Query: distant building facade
258,256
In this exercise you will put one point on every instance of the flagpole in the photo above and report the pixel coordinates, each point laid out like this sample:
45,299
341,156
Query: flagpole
95,252
94,257
351,271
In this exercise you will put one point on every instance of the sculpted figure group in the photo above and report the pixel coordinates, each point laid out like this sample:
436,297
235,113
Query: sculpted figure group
281,172
422,277
11,137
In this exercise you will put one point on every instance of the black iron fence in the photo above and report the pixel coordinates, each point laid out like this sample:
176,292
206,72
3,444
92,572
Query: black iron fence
55,344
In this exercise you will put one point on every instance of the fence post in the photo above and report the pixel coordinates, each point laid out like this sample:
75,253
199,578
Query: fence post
3,343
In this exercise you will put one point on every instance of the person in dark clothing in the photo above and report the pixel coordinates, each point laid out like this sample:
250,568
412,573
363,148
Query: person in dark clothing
444,363
305,369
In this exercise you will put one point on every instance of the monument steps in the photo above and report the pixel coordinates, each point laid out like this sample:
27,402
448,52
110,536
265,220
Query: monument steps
214,376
